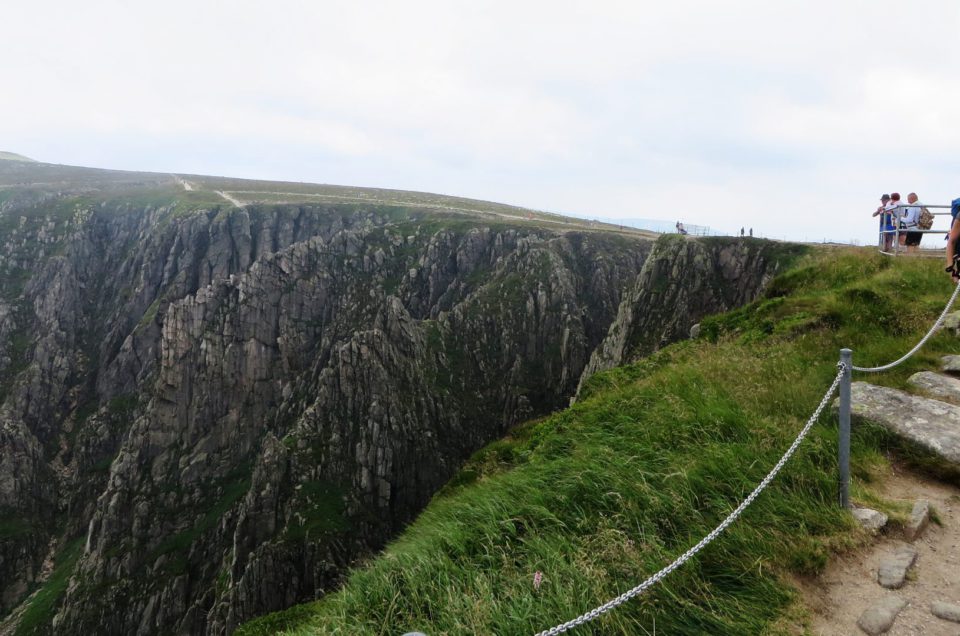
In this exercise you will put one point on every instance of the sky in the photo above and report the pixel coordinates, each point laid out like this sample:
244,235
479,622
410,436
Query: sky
790,117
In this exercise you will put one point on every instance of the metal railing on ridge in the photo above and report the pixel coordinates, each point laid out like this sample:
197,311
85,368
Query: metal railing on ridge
898,250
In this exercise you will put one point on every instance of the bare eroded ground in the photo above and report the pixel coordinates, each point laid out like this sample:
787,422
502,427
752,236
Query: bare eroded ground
849,584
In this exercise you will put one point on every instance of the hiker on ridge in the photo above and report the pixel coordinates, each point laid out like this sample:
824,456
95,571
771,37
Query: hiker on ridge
909,221
884,222
892,210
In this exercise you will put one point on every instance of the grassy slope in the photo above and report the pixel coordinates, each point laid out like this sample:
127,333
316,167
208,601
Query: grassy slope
601,495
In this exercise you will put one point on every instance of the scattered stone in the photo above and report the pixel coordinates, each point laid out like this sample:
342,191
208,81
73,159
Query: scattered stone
879,617
930,424
946,611
919,518
870,519
695,331
951,364
952,323
893,571
937,385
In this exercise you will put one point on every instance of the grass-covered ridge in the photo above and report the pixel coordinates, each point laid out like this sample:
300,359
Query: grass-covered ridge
653,456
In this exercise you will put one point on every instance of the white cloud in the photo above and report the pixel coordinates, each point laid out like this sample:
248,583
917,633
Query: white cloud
751,109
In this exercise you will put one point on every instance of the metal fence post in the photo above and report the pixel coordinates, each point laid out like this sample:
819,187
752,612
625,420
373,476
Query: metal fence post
846,358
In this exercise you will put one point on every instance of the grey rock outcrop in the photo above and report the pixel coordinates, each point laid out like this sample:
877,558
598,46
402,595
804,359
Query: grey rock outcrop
931,424
942,387
951,364
681,282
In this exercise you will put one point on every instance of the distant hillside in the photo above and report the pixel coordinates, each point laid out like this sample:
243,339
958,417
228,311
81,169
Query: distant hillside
12,156
36,180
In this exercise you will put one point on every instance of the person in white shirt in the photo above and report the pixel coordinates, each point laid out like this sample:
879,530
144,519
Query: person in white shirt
909,218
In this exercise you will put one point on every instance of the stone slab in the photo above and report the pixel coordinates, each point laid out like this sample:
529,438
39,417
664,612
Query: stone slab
892,573
931,424
940,386
879,617
919,518
946,611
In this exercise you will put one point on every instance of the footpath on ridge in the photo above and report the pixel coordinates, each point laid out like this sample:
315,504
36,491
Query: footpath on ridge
908,580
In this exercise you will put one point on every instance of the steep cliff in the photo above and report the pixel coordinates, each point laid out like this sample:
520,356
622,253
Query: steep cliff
207,412
681,282
227,405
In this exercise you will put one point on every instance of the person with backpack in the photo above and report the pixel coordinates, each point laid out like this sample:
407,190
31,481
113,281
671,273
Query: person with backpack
909,224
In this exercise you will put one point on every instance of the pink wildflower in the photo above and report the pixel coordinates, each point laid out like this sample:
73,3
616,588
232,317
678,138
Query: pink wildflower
537,580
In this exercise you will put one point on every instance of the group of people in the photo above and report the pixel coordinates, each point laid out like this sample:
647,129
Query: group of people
895,215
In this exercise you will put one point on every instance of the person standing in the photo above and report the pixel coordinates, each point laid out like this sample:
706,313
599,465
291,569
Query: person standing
909,220
892,210
883,222
741,232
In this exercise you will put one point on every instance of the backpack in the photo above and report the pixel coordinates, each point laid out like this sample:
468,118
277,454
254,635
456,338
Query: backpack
926,219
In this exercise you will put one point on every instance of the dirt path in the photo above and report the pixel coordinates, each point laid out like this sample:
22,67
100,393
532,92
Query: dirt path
229,198
849,585
186,184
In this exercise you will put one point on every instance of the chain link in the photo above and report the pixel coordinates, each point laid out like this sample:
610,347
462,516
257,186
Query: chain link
686,556
920,344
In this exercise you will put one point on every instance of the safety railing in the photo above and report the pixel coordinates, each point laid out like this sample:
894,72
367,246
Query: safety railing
843,381
895,248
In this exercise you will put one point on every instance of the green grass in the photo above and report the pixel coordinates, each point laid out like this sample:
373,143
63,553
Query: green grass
14,527
42,606
653,456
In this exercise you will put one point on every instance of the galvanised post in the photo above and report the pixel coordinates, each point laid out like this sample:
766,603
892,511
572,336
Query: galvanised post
846,359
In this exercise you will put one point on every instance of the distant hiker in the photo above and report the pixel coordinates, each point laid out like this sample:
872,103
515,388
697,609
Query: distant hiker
910,221
741,232
892,210
884,223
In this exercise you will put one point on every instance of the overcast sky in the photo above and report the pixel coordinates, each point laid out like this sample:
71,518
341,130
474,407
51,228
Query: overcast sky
786,116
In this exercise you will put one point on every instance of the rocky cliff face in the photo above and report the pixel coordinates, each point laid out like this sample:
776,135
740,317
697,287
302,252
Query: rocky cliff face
227,406
681,282
208,412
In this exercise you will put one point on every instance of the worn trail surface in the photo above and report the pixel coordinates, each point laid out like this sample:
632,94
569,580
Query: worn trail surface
849,584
